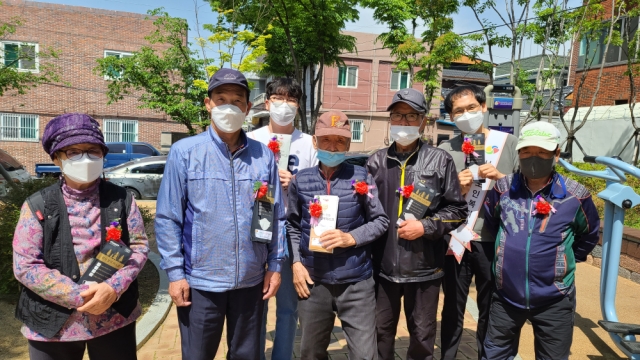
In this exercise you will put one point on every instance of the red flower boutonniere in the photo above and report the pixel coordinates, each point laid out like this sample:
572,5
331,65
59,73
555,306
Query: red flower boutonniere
315,210
362,188
114,231
259,189
468,148
405,190
274,145
542,207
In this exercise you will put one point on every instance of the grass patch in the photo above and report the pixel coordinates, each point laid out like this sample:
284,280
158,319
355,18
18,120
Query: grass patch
632,216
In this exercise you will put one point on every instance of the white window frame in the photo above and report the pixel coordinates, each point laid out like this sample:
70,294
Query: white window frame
360,125
120,122
399,72
21,43
33,117
115,52
346,80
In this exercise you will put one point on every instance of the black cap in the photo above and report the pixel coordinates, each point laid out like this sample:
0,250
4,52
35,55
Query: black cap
227,76
411,97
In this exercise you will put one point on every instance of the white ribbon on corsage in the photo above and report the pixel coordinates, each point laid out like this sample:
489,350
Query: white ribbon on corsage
464,234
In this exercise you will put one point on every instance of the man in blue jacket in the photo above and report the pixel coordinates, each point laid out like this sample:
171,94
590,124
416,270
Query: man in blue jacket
545,223
203,228
339,281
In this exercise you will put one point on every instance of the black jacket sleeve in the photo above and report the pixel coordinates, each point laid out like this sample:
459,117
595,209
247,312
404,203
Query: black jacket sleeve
452,209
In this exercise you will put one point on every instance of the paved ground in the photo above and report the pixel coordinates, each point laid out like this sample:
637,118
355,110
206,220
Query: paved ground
165,343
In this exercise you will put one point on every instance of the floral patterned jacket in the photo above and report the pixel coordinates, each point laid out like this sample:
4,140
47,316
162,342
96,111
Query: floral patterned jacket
83,207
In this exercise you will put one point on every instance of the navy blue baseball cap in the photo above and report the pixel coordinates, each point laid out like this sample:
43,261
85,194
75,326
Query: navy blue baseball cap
411,97
228,76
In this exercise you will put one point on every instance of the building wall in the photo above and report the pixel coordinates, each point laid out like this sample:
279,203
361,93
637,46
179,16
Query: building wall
348,98
614,84
81,36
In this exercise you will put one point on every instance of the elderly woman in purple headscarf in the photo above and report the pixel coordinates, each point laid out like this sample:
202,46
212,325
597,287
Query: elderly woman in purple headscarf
61,231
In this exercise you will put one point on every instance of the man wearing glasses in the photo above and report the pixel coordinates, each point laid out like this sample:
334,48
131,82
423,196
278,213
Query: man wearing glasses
283,96
409,258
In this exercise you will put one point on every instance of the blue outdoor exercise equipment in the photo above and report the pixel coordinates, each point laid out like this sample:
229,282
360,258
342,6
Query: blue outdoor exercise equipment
618,198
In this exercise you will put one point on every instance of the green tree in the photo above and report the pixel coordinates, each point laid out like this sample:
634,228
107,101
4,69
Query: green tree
169,76
23,56
305,37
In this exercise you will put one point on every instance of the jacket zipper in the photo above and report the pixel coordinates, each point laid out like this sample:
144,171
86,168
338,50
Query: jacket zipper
532,221
235,215
328,180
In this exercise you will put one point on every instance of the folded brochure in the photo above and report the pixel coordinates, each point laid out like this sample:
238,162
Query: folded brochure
262,221
112,257
416,206
327,221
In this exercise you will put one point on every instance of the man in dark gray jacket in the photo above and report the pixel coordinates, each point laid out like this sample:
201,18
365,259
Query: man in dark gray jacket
332,269
466,105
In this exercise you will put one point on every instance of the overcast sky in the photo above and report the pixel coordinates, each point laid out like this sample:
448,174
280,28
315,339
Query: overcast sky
464,21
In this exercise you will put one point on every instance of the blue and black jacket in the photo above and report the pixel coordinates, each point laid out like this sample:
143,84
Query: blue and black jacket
536,255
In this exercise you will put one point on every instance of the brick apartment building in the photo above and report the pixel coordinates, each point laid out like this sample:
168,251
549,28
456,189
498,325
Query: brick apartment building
81,35
363,89
614,87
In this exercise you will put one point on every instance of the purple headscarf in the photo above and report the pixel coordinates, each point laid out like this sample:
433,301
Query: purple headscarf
72,129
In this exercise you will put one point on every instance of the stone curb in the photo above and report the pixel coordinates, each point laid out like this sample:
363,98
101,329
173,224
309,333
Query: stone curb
159,308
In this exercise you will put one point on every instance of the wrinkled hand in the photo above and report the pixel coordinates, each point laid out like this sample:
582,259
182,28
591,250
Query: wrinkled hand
332,239
410,230
98,298
488,171
180,292
466,180
272,281
301,280
285,178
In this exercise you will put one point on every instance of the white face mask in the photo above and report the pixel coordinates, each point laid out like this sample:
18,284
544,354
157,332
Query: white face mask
282,114
404,135
228,118
82,171
469,122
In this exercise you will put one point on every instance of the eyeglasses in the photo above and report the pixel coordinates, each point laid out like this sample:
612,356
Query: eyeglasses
411,117
278,100
76,154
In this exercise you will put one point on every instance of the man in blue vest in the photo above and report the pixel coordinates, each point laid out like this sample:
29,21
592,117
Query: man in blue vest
332,269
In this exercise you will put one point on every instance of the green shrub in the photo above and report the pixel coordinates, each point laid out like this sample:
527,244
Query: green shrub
9,214
632,216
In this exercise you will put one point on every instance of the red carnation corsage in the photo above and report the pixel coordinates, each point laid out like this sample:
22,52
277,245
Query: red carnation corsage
274,146
260,189
315,210
362,188
468,148
542,207
114,231
405,190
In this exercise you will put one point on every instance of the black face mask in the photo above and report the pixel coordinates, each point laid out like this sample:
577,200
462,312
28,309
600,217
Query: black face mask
535,167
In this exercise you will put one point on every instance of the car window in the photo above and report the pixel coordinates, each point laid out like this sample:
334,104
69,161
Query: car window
143,149
149,169
117,148
9,163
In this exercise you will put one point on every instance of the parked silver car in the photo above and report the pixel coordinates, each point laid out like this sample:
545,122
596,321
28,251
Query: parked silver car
14,169
141,177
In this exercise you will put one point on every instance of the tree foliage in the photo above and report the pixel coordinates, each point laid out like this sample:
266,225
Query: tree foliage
305,37
17,81
169,76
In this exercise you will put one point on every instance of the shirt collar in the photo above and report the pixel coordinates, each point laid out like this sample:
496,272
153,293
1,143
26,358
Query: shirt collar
222,146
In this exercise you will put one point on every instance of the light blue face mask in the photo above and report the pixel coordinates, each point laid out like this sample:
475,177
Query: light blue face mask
331,159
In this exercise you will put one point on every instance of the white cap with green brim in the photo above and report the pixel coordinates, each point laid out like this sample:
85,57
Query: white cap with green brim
541,134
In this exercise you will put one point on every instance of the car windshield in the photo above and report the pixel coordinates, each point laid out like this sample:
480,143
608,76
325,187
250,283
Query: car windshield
9,163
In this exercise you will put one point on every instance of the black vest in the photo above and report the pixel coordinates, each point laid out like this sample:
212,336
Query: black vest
44,316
